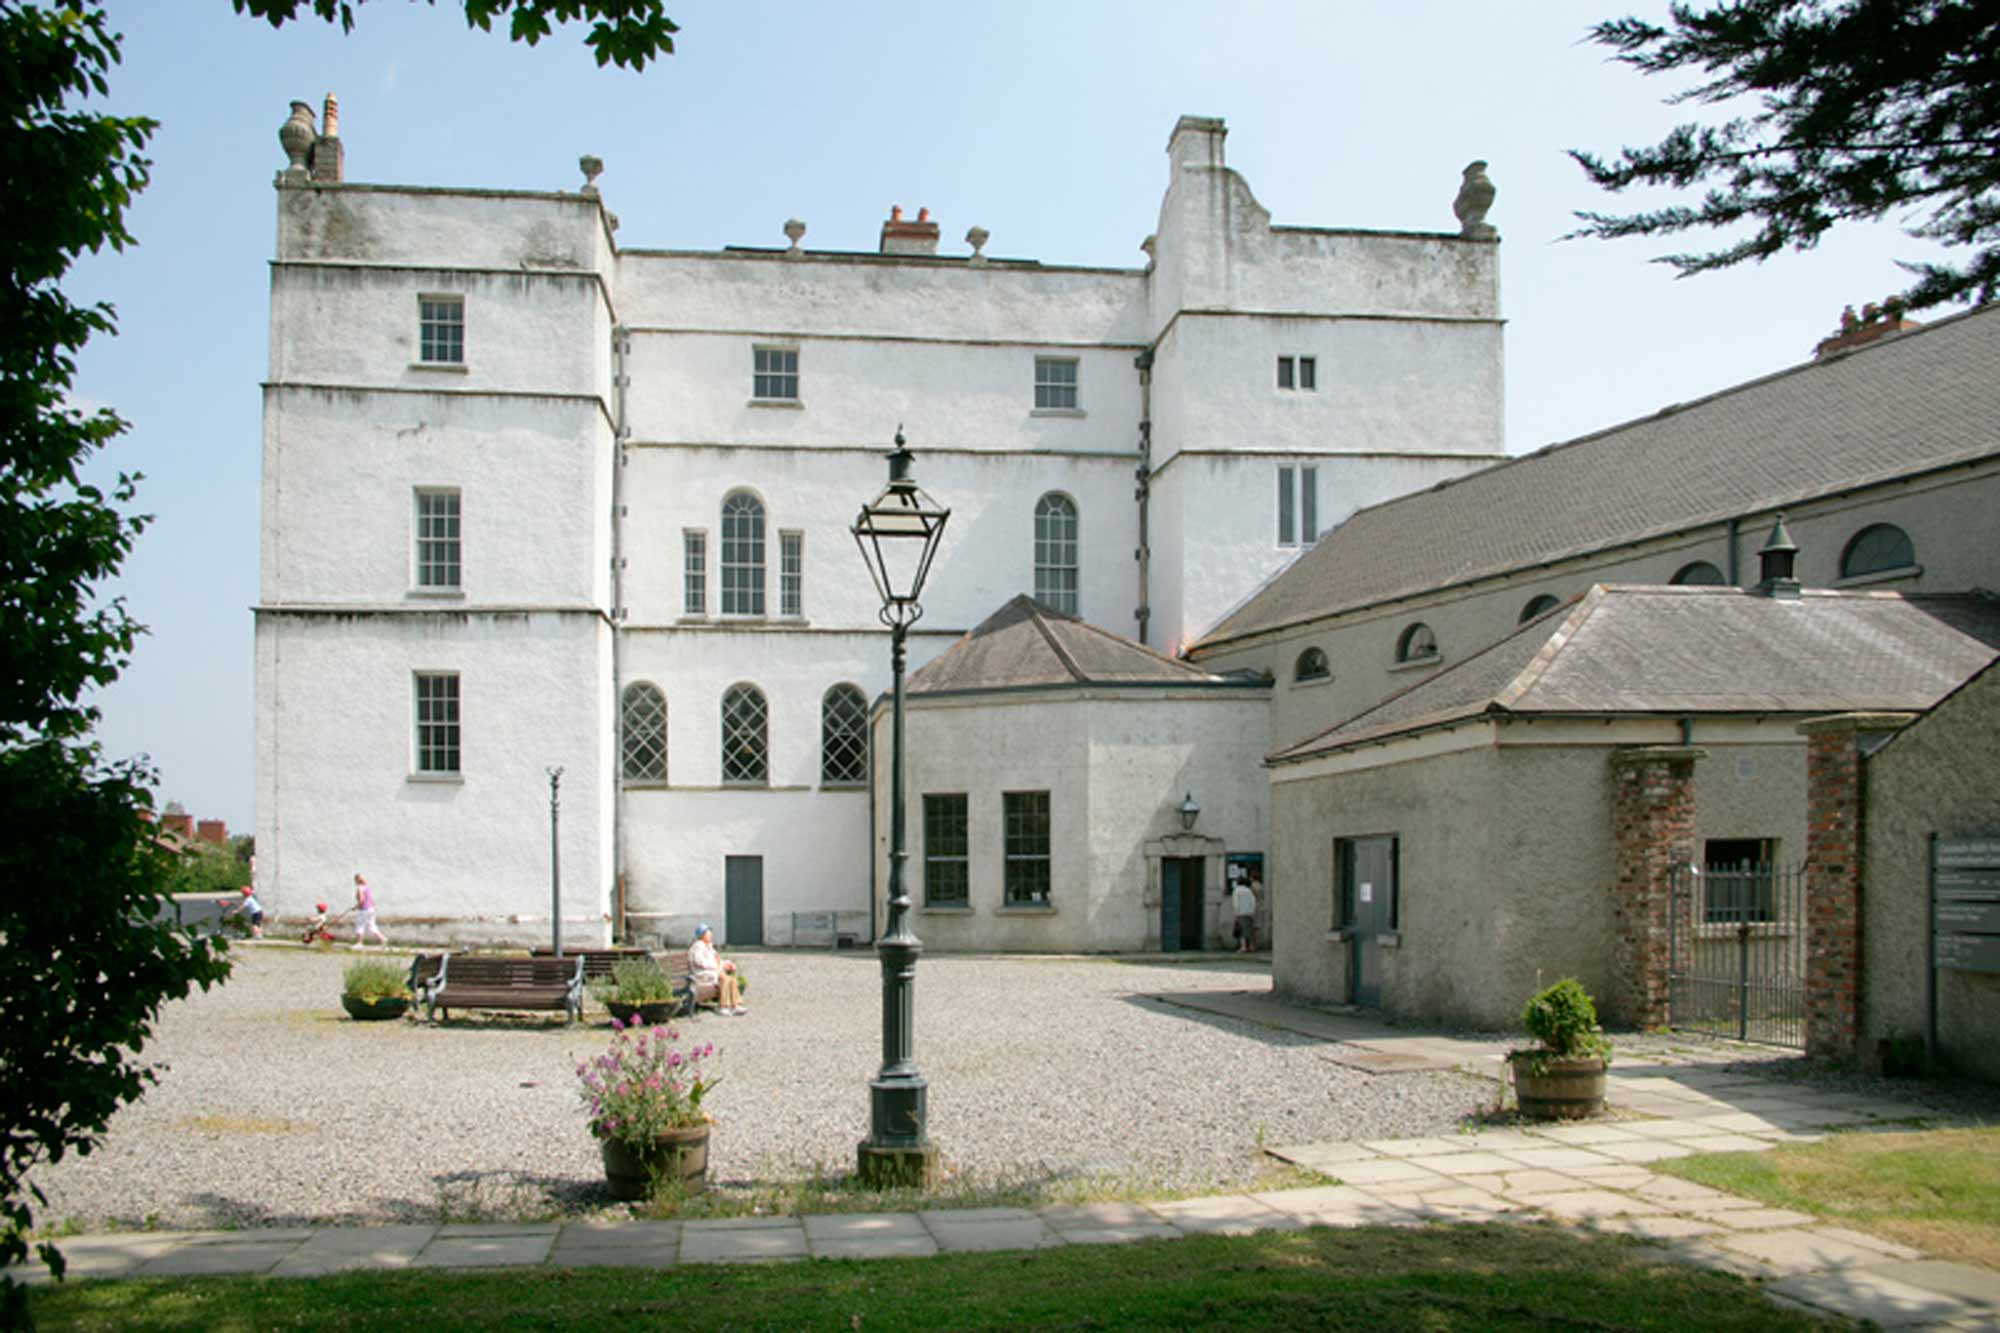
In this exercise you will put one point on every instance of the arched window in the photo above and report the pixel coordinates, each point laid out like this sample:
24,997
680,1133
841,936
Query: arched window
1700,574
1418,644
742,555
643,720
1311,666
1876,549
1055,552
843,735
1537,606
746,747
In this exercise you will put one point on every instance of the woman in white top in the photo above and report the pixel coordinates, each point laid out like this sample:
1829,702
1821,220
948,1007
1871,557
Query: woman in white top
713,978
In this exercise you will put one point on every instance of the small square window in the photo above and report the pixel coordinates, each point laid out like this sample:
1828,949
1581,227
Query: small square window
694,573
791,573
437,722
1285,380
437,539
1055,384
774,374
1308,373
441,330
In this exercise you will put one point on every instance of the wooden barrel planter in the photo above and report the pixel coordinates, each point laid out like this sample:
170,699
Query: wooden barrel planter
375,1010
679,1155
654,1015
1560,1089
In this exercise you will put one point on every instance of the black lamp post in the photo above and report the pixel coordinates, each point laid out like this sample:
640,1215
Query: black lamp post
898,532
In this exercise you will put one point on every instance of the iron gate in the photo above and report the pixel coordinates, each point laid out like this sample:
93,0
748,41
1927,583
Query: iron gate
1737,961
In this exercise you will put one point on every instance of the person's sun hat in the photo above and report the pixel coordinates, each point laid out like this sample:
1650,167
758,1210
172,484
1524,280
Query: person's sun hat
700,929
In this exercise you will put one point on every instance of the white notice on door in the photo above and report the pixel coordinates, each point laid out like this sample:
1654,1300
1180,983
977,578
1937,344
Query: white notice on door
1367,892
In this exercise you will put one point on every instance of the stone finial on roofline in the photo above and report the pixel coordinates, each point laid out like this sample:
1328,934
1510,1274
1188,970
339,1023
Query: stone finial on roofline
795,232
297,137
592,167
977,238
1475,197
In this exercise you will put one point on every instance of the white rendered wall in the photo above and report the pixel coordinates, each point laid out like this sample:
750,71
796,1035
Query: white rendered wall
337,790
1116,764
399,224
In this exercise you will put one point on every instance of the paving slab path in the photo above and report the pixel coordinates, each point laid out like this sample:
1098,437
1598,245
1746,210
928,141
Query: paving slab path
1592,1175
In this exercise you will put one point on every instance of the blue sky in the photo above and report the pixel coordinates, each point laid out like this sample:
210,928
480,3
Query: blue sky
1046,123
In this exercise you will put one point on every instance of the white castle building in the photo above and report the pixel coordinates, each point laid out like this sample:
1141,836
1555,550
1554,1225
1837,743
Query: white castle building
535,498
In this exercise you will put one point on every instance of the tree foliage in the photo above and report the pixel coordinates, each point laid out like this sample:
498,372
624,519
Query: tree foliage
88,951
1864,109
626,33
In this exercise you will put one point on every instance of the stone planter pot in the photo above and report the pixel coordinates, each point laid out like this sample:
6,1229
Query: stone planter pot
677,1155
374,1011
1562,1090
661,1012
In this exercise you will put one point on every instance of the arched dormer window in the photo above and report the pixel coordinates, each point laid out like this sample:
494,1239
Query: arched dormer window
643,732
746,736
742,555
1699,574
1055,552
1311,666
1417,644
1538,606
843,735
1877,549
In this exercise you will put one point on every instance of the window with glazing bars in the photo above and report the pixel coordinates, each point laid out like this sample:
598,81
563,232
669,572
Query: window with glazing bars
437,722
791,573
644,728
1055,383
843,735
437,539
742,555
1298,505
1026,816
947,879
774,373
1055,552
694,573
441,330
746,750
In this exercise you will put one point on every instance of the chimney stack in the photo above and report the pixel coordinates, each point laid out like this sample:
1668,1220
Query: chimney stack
1775,564
329,159
1875,322
212,830
909,238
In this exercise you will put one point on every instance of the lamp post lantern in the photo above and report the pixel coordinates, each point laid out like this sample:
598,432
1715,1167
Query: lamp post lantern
898,533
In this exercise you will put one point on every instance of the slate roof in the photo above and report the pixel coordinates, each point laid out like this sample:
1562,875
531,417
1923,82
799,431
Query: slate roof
1698,650
1026,645
1924,399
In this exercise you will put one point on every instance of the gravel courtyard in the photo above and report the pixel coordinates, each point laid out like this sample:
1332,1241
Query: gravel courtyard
274,1109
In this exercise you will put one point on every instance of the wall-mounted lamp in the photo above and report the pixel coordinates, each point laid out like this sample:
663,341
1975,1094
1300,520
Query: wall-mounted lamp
1189,812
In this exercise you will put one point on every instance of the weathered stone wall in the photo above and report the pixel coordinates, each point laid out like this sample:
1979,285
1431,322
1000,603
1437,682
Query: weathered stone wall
1939,776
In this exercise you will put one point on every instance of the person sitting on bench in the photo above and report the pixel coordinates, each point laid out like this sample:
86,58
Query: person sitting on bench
713,978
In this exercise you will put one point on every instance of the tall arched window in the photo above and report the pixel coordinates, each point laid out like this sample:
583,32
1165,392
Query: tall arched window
643,727
746,741
1417,644
742,555
843,735
1055,552
1700,574
1877,549
1537,606
1311,666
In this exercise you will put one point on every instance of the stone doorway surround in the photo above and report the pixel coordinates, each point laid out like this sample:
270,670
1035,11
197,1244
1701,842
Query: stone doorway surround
1214,932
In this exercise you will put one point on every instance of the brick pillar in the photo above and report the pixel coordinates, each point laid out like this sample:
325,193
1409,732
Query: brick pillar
1652,826
1836,750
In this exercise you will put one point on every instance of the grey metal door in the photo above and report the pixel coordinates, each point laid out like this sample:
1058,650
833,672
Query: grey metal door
1182,880
743,900
1368,896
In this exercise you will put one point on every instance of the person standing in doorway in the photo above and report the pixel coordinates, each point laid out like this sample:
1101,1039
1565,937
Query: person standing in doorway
364,913
1245,901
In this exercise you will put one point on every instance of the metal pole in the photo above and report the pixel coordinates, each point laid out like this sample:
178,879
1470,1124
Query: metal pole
555,858
898,1095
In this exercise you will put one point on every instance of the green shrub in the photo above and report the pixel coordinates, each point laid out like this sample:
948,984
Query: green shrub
375,979
635,981
1563,1019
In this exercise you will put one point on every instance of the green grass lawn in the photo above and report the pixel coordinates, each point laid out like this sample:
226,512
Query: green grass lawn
1937,1190
1374,1278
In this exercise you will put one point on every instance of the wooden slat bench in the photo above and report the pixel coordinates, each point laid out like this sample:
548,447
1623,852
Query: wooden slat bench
597,963
486,981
